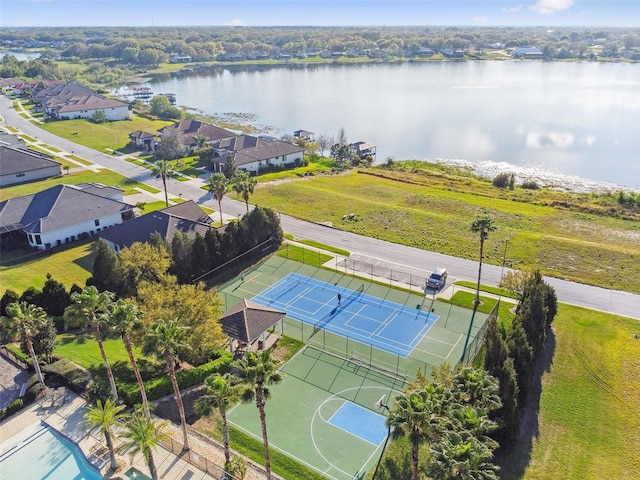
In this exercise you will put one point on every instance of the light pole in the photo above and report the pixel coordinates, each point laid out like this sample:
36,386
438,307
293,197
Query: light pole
504,257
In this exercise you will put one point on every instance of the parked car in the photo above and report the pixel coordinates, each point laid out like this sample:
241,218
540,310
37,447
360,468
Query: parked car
437,279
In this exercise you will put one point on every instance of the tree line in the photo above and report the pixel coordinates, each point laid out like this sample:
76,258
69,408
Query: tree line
111,54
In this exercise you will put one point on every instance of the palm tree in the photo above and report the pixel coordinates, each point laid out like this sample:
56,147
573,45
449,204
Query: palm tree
27,320
483,224
416,415
124,318
162,169
258,370
461,456
165,340
143,435
105,417
91,307
244,184
221,394
218,185
200,140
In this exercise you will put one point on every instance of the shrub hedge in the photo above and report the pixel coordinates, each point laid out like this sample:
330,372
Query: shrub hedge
11,408
159,387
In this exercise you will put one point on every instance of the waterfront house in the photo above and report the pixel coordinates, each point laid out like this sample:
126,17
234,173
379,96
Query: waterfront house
528,53
189,129
257,154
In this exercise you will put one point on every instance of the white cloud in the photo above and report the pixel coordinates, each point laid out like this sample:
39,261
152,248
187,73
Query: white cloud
549,139
589,140
481,20
549,7
513,9
236,22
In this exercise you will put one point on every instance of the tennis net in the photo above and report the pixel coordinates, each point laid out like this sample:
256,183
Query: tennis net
365,367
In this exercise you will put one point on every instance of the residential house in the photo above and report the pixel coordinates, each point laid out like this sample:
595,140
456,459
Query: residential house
9,83
180,58
143,139
304,135
528,53
186,217
193,128
256,154
364,149
70,101
19,165
87,107
58,215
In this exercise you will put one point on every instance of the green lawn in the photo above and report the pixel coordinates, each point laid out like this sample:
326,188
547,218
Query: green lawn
69,266
317,165
589,417
103,137
83,350
435,213
106,177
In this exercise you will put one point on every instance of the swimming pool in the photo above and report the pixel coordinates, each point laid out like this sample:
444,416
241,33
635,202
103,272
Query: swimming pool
45,454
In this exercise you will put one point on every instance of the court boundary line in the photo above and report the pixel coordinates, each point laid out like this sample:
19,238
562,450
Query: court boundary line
344,429
390,345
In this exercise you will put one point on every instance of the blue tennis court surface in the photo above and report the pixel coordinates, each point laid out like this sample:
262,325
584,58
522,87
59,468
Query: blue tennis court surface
386,325
360,422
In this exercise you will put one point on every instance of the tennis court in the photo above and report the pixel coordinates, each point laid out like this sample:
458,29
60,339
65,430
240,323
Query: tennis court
352,313
324,414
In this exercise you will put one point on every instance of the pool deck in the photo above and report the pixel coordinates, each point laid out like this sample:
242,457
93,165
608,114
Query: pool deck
67,419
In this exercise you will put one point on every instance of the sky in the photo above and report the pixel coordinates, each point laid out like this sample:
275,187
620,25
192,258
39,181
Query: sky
145,13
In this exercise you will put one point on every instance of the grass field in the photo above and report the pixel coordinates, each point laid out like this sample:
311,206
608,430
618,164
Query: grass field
435,214
588,426
103,137
69,266
106,177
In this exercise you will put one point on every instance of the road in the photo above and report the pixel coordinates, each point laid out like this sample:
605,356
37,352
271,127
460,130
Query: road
612,301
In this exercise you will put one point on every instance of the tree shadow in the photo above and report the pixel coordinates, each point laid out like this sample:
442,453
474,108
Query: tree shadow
514,460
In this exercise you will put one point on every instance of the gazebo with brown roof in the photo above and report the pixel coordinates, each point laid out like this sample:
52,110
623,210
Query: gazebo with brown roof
247,324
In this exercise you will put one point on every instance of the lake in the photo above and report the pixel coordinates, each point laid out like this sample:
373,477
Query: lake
567,124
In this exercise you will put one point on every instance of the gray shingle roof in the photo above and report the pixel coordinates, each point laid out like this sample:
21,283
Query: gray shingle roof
186,217
190,128
247,320
251,149
15,159
55,208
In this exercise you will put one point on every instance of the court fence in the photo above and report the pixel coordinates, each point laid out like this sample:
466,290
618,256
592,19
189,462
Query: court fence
475,344
233,267
356,352
413,277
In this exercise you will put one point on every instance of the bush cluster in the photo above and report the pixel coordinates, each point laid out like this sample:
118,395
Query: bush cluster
11,408
159,387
